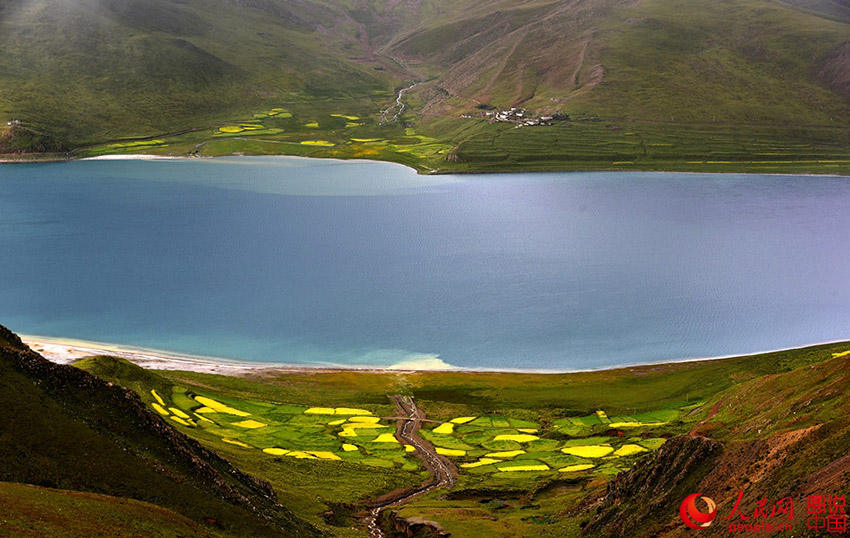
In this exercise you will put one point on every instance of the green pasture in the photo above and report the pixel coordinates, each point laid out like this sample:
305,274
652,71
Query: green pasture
529,447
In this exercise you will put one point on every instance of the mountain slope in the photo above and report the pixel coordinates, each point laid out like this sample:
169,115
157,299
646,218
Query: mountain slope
775,436
71,513
741,61
98,70
64,428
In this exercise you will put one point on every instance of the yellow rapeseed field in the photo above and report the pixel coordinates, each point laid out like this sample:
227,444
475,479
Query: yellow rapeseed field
628,450
301,455
250,424
218,407
506,454
325,455
588,451
634,424
235,442
575,468
518,437
539,467
178,412
370,420
351,411
445,428
479,463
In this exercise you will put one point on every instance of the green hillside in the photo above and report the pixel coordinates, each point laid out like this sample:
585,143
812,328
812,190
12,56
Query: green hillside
534,451
751,85
604,453
32,511
744,62
66,429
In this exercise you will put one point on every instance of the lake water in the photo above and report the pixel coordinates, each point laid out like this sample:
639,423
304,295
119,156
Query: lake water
311,261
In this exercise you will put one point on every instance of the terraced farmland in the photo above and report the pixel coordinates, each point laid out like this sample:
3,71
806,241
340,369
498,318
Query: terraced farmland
480,445
624,145
296,130
282,430
593,444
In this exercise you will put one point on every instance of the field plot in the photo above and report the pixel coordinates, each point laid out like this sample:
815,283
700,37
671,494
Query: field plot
624,145
529,448
297,129
490,445
597,444
301,432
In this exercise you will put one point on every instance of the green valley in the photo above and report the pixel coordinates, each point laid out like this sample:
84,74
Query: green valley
532,452
749,85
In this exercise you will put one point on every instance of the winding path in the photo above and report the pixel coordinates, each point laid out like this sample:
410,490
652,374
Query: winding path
398,104
440,467
398,101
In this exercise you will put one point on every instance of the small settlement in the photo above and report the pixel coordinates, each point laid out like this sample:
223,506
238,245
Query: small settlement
519,117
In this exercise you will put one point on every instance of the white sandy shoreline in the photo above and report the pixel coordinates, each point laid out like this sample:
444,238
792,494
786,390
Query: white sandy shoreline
135,157
152,157
66,351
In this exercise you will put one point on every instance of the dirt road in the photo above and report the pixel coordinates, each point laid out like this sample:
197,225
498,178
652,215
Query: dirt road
440,467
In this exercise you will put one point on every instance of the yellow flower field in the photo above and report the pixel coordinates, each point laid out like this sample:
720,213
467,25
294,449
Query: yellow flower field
506,454
628,450
250,424
518,437
588,451
538,467
158,397
445,428
219,407
576,468
450,451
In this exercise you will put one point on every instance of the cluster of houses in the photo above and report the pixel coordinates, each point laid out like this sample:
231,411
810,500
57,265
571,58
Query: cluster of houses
519,117
13,122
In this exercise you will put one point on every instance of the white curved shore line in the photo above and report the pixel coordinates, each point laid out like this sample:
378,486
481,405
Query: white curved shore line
66,351
135,157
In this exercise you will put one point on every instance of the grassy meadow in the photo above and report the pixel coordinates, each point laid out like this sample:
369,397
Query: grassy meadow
581,144
530,448
68,513
741,86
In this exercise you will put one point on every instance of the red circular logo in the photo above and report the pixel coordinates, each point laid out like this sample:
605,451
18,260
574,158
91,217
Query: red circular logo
691,515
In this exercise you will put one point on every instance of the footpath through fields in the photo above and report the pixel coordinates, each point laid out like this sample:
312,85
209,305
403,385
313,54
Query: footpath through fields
443,471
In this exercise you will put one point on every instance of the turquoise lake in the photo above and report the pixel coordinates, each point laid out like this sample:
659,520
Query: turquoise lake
293,260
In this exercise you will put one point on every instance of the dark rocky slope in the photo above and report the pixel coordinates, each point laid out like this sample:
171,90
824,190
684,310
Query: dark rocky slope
65,428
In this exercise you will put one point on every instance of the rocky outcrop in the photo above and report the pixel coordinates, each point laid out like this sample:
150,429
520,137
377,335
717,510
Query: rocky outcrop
399,527
655,485
18,140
